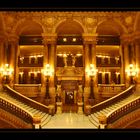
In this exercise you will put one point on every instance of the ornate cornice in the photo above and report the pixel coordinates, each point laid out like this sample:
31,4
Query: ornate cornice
90,38
49,38
49,19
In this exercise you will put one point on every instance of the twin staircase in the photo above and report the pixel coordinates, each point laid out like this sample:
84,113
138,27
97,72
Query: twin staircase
94,117
25,108
109,110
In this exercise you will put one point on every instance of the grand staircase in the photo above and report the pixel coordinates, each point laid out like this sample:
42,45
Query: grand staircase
94,117
45,117
101,109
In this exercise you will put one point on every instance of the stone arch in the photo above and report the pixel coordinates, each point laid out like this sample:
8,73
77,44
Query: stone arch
137,22
1,24
110,27
63,24
24,25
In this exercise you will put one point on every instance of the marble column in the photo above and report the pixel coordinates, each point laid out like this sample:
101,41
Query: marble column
122,69
127,62
2,39
93,61
50,41
13,59
87,78
45,61
52,61
137,53
90,57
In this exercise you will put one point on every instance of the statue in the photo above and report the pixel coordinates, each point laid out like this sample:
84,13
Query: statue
58,93
80,93
73,61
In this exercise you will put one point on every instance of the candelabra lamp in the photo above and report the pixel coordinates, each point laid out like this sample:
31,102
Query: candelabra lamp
6,73
132,72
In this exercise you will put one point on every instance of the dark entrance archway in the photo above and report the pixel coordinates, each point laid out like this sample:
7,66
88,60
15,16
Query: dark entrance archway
69,97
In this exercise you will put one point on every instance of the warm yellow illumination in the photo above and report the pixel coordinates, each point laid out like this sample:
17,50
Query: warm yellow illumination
6,71
131,71
74,39
78,54
47,71
92,71
65,39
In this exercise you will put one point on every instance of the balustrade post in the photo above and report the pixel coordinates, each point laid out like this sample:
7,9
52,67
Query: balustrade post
59,107
80,108
37,122
102,121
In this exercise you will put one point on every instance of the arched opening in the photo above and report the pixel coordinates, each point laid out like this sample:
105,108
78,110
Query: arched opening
69,59
30,58
108,57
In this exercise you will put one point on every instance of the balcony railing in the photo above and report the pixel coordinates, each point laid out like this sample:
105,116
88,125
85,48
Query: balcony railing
30,61
109,90
108,62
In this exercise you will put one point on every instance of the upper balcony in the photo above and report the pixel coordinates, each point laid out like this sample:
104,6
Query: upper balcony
30,61
107,61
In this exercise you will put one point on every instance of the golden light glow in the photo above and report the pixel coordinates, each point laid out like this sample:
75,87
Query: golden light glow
74,39
47,71
132,71
65,39
92,70
6,70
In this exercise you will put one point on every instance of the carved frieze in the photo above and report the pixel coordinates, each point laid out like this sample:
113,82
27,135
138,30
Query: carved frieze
50,20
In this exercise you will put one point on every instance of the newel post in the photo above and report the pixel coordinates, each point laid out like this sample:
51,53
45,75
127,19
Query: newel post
37,122
102,121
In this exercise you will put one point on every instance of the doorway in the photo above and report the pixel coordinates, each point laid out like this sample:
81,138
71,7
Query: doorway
69,97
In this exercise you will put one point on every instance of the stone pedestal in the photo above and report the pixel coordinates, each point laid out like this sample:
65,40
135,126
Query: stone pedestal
59,107
36,122
102,121
80,108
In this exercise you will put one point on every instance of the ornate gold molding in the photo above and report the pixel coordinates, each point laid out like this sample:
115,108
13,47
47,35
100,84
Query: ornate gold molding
90,38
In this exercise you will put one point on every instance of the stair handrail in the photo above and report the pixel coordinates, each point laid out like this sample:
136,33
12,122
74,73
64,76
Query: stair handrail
27,100
16,110
113,99
126,108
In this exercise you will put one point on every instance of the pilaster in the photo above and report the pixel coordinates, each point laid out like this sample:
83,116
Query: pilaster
50,57
90,58
126,41
13,58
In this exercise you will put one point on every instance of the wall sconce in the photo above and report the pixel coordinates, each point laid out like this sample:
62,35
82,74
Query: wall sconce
132,72
6,72
47,73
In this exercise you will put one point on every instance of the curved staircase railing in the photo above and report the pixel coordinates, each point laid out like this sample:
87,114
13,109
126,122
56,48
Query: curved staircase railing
29,101
123,110
20,112
113,99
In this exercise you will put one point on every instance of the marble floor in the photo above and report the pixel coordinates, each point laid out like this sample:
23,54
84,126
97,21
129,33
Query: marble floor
70,121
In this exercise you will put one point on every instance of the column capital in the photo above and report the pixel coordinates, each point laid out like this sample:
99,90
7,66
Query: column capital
49,38
13,38
126,38
136,37
2,38
89,38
